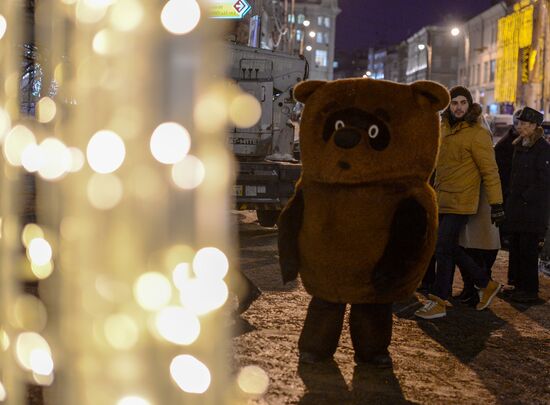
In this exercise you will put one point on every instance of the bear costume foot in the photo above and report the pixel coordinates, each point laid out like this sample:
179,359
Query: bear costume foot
378,361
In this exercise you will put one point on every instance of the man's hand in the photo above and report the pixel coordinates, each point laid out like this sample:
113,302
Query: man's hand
497,214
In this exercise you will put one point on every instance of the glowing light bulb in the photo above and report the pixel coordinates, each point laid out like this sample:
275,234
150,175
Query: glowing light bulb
77,159
210,263
39,251
105,152
41,362
245,111
253,380
152,291
203,295
56,159
190,374
180,16
189,173
16,141
178,325
170,143
25,344
45,109
3,26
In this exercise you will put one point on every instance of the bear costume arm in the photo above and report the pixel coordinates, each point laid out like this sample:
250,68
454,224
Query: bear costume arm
289,224
407,238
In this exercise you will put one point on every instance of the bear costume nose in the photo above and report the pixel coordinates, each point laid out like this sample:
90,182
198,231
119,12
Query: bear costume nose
347,138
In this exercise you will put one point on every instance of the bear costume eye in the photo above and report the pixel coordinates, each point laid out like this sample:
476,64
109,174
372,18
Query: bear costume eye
373,131
339,124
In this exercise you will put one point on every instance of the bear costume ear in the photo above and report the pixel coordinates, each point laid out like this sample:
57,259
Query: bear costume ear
303,90
431,95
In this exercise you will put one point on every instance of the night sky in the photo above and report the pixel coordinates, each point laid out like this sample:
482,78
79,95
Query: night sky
365,23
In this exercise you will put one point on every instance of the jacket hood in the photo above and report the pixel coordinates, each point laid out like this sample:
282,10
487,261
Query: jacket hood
531,140
471,117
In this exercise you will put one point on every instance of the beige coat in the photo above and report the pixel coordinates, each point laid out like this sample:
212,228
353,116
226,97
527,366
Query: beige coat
479,232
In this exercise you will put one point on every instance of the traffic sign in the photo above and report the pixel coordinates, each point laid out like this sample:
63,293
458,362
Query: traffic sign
234,9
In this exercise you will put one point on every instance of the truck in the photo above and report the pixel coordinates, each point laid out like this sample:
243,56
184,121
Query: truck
267,156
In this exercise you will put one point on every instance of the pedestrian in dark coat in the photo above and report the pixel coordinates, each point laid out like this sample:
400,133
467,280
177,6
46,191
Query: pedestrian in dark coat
504,151
528,204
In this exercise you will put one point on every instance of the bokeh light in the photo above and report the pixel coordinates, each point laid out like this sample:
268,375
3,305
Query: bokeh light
133,400
25,344
41,362
16,141
44,380
189,173
3,26
245,111
203,295
178,325
106,42
121,331
30,232
105,152
5,123
190,374
4,340
170,142
77,159
90,11
104,191
253,380
180,16
211,112
210,262
3,394
29,313
182,272
39,251
45,110
42,271
32,158
152,291
126,15
55,157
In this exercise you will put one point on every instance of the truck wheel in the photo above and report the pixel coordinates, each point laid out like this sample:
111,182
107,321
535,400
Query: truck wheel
267,218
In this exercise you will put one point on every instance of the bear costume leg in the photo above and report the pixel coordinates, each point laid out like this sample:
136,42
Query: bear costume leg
371,329
321,332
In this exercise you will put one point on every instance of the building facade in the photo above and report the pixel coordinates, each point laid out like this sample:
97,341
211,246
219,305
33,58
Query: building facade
432,54
478,56
313,25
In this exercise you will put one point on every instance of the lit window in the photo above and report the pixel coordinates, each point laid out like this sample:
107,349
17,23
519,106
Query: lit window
299,34
319,21
326,37
327,22
301,18
319,38
291,18
321,58
335,64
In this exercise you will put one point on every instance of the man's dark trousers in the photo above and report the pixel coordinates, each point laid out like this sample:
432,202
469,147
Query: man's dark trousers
448,253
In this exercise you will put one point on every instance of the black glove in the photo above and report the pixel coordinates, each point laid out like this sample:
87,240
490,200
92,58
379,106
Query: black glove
497,214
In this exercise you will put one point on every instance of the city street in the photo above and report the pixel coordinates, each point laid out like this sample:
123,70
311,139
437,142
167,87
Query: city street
500,355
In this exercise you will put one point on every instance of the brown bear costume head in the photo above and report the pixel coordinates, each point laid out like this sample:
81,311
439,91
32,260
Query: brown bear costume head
357,131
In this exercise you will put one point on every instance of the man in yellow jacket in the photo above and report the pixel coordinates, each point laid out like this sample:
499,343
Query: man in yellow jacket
466,161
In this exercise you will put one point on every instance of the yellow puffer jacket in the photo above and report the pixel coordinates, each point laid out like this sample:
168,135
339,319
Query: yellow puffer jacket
466,158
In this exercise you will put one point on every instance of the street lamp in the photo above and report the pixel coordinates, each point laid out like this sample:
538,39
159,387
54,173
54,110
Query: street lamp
455,31
306,23
421,47
312,34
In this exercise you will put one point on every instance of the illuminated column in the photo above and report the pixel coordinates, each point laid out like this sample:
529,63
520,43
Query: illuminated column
132,245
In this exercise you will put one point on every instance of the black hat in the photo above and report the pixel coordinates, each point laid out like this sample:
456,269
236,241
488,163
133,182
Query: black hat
461,91
530,115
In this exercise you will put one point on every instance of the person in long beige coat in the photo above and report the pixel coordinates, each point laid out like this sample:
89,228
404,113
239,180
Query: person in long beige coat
481,239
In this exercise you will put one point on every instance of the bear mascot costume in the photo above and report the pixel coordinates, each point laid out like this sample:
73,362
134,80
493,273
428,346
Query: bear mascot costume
361,226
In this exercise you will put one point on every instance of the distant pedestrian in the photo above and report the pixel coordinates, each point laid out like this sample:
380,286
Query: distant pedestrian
527,205
466,159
